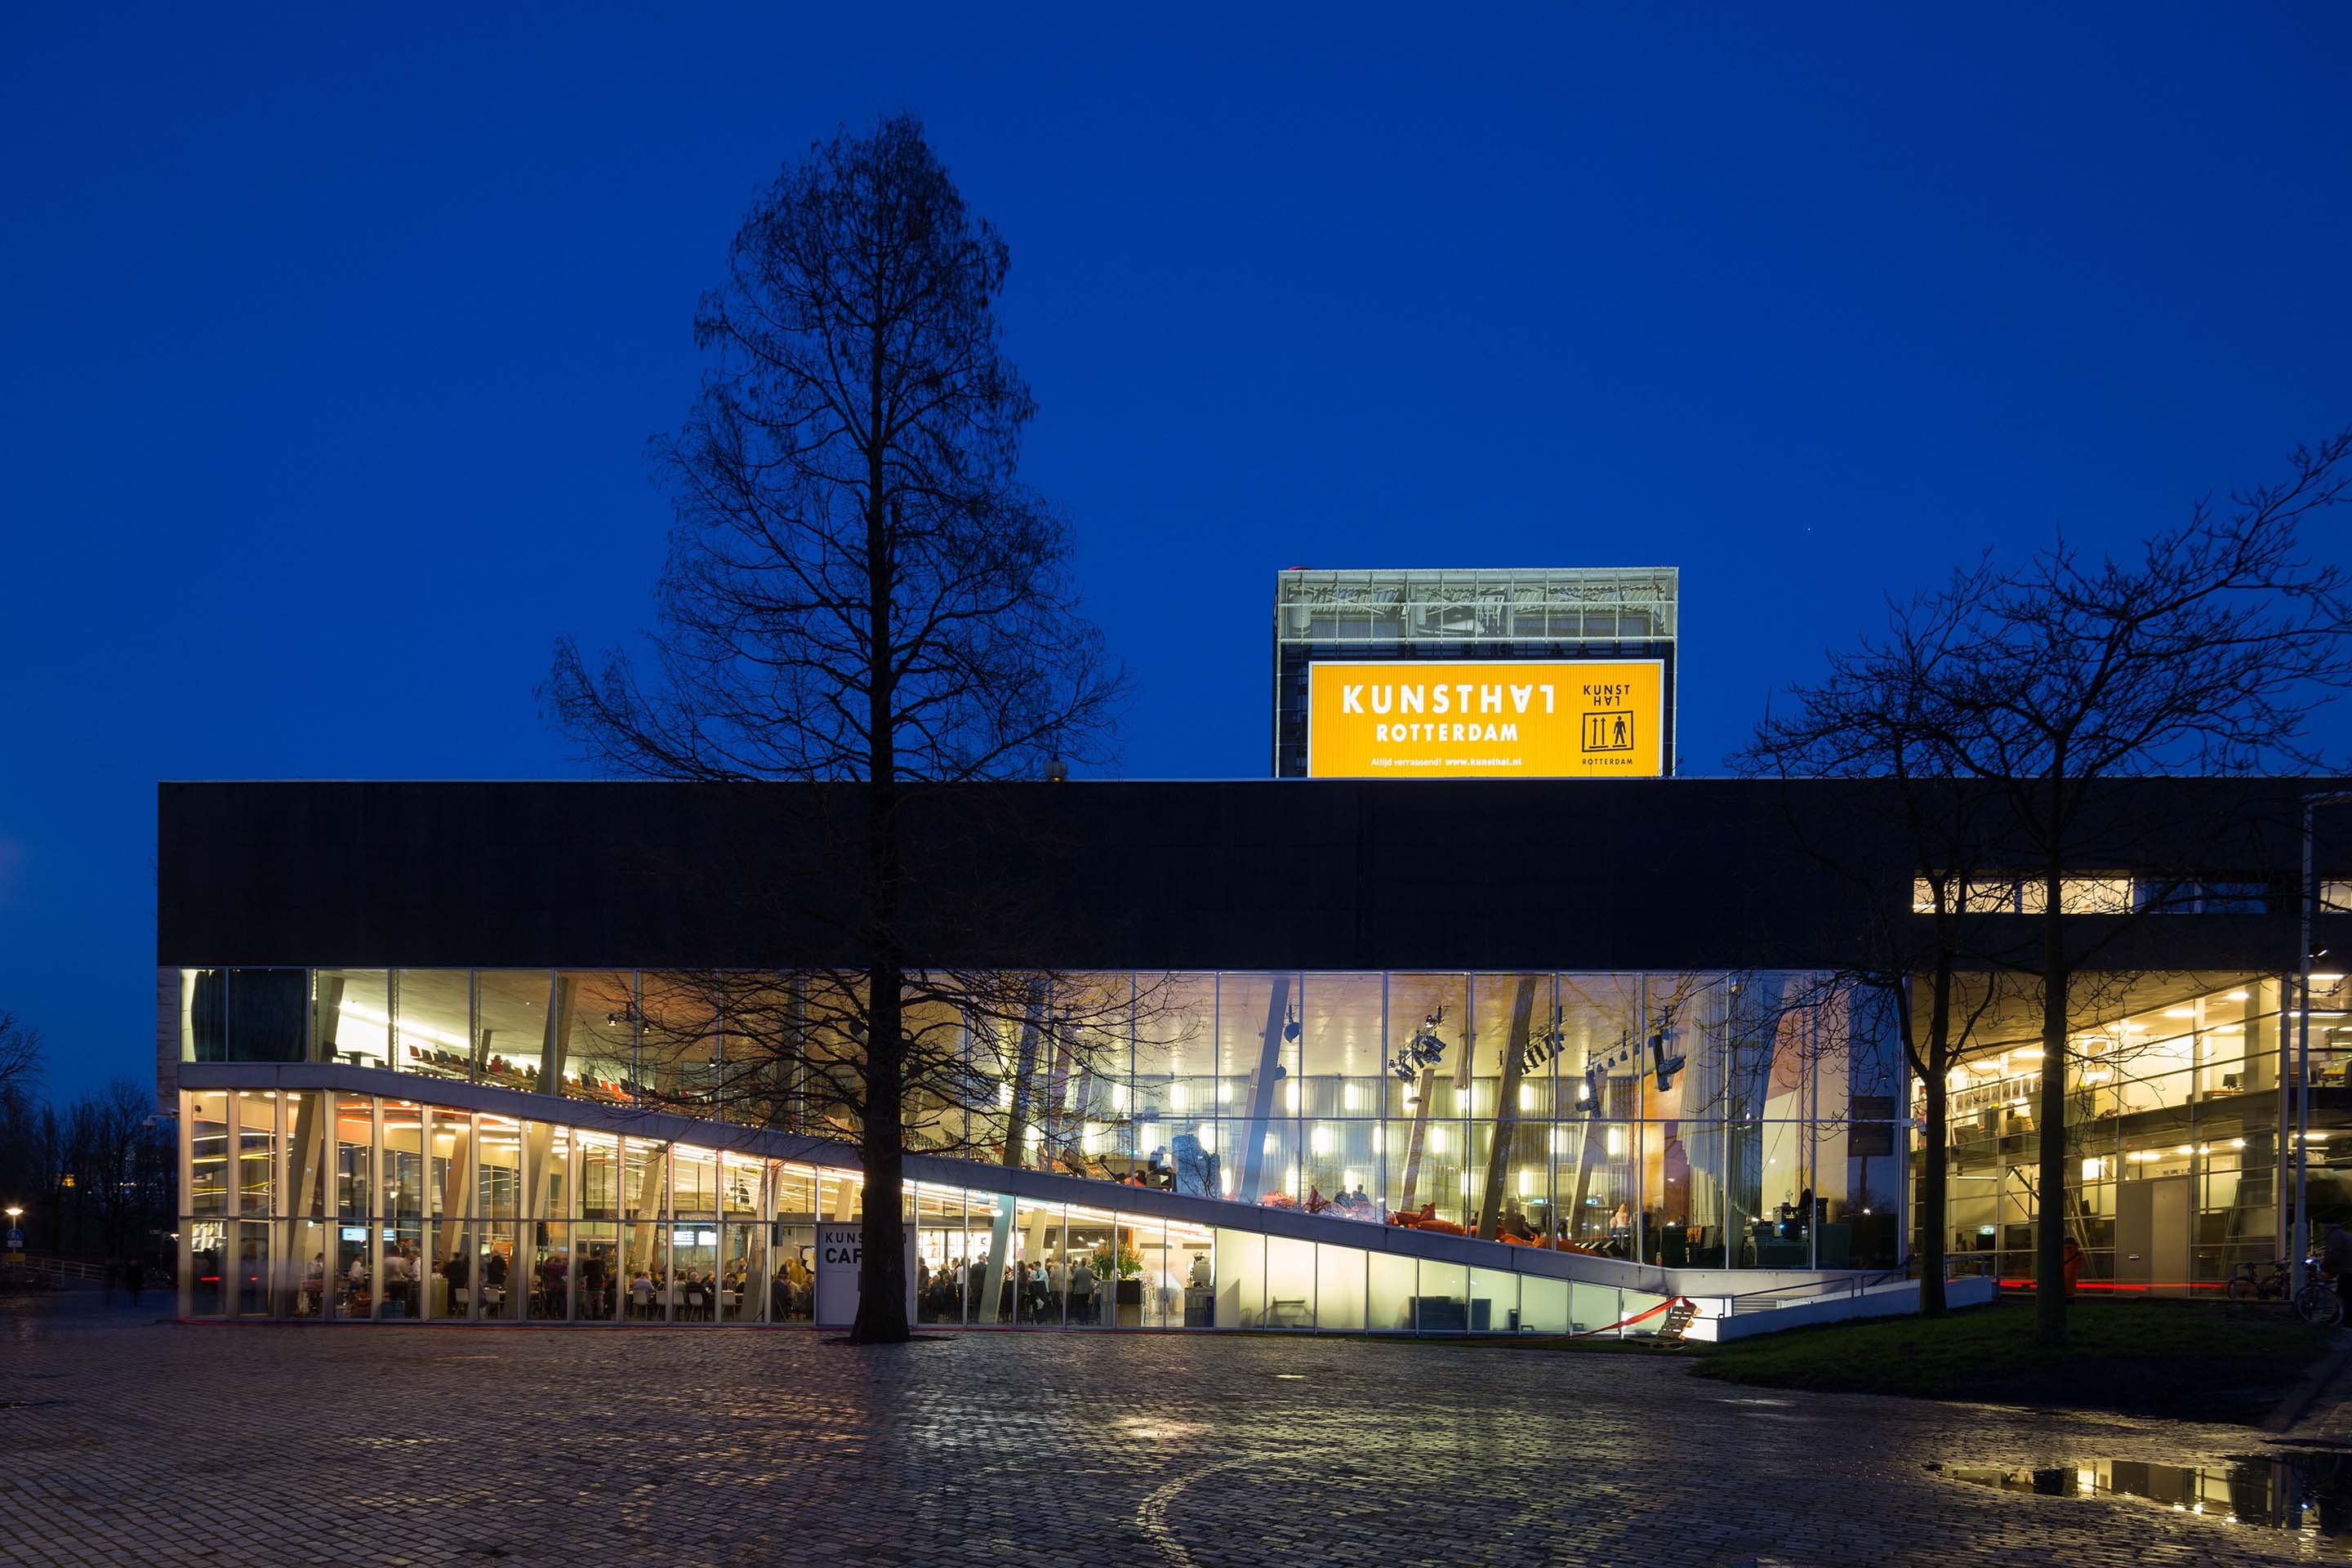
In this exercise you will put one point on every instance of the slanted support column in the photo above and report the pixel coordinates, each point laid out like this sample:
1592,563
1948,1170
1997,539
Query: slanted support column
1025,1078
1505,1140
552,1048
304,1167
1262,1082
457,1177
325,1015
1420,1095
989,1293
652,1198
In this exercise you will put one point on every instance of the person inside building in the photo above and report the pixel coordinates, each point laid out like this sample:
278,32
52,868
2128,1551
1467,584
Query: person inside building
455,1272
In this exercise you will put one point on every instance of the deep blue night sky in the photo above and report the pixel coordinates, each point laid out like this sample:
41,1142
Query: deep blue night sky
331,345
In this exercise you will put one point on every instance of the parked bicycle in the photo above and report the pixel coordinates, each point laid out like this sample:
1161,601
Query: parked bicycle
2316,1303
2246,1285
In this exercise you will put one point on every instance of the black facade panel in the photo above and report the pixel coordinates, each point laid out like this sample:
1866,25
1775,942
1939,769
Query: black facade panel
1495,875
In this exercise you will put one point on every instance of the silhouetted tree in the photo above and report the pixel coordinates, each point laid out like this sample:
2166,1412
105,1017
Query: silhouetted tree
1880,714
20,1075
860,592
20,1055
2204,655
2056,684
122,1161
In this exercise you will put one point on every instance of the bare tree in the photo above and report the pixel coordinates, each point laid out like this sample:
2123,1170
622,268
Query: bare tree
21,1165
2204,655
20,1055
116,1153
859,590
1880,714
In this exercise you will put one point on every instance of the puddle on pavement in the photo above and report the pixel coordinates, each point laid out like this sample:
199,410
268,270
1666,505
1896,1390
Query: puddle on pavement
2308,1494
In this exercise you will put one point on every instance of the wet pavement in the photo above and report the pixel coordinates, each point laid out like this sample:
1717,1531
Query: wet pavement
127,1440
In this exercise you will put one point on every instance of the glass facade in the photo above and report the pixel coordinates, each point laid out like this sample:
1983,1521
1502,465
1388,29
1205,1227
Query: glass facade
481,1218
1525,1107
1685,1120
2180,1085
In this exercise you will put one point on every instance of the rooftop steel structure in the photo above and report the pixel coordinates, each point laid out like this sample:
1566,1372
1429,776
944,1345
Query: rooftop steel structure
1511,612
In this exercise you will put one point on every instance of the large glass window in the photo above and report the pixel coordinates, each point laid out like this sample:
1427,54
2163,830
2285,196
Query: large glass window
510,1028
256,1152
209,1153
599,1286
592,1045
266,1009
1241,1278
1339,1282
1426,1141
742,1289
351,1016
549,1260
402,1193
203,1014
432,1015
1290,1283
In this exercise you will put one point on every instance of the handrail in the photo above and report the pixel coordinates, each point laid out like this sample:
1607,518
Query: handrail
1852,1285
68,1267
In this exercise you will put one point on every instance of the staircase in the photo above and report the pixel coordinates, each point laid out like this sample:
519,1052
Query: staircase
1678,1318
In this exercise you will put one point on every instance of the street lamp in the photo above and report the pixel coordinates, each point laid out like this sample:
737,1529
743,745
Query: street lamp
2310,903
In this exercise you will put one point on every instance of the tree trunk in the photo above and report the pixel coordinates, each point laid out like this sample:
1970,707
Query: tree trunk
882,1238
882,1259
1934,1202
2050,1229
1935,1175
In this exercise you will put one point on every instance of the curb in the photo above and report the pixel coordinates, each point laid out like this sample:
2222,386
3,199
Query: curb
2299,1399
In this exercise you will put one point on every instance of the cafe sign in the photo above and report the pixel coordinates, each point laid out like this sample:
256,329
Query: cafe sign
839,1249
1487,719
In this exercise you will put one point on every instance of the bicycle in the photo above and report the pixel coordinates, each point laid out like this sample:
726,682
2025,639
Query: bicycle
2245,1285
2317,1303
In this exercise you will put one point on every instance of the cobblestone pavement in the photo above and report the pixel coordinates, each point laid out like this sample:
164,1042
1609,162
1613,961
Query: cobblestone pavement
127,1440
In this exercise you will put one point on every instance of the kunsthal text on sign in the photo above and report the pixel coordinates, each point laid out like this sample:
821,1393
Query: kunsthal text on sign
1548,719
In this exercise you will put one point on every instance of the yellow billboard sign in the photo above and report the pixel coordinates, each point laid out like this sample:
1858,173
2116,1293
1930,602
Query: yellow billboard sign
1487,719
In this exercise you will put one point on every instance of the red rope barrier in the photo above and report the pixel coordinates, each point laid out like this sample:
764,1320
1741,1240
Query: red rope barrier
1665,1305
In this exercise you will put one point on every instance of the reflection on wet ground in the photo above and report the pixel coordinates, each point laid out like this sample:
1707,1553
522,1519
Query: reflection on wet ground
2306,1491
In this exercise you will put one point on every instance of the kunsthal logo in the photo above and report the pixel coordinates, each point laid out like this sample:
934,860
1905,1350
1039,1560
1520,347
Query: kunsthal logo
1437,701
1534,719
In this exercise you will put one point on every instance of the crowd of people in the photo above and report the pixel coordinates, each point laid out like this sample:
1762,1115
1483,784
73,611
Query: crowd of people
685,1293
1029,1292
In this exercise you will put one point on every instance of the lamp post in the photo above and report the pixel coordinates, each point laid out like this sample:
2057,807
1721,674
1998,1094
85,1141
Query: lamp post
15,1213
2308,906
